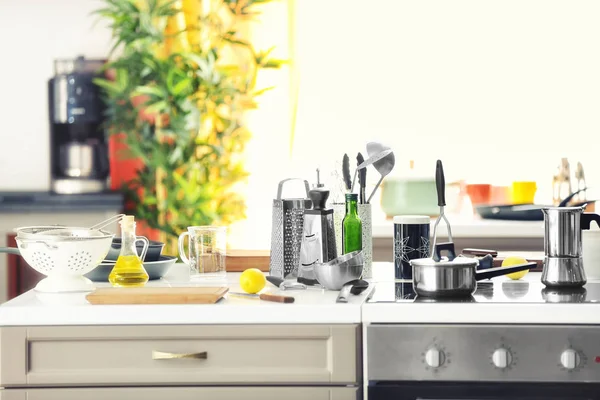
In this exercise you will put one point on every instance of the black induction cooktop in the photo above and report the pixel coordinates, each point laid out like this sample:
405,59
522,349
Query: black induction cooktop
492,292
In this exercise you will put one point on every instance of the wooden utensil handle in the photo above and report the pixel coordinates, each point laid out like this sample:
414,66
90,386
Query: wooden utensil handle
480,252
276,298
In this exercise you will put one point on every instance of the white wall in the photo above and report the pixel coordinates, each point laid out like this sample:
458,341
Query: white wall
499,89
33,33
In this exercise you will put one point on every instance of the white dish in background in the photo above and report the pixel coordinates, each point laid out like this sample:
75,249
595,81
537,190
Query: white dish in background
590,247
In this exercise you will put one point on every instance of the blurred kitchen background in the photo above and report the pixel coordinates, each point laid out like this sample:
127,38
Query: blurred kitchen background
502,91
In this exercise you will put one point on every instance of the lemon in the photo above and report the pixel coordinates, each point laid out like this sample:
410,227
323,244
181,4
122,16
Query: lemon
509,261
252,280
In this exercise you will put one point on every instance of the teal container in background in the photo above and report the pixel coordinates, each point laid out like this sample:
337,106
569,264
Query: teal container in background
409,196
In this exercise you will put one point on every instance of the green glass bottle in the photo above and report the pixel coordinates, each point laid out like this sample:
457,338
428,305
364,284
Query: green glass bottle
351,226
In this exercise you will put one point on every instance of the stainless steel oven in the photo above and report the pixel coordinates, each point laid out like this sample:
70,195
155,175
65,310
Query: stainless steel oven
482,361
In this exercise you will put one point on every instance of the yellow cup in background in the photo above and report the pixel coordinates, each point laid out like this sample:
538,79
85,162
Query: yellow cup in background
523,192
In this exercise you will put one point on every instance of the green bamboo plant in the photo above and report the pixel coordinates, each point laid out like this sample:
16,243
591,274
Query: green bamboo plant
177,97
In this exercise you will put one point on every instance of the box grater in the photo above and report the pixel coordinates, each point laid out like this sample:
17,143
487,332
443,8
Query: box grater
286,232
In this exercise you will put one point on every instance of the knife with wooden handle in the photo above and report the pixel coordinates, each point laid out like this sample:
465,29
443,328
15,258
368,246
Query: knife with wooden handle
277,298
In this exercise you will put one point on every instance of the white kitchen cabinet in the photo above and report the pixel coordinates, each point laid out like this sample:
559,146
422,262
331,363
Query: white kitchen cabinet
181,355
185,393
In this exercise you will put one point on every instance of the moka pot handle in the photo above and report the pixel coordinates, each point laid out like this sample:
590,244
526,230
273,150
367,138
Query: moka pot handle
586,220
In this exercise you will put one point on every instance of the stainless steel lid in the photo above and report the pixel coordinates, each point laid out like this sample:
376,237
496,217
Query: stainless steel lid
446,262
451,260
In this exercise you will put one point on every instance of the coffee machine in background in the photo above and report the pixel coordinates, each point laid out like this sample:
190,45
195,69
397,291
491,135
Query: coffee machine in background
78,140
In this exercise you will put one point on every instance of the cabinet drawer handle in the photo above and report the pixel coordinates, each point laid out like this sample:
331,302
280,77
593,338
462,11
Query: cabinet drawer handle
160,355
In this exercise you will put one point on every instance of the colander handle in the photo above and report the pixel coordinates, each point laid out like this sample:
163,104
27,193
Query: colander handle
10,250
182,249
109,221
146,244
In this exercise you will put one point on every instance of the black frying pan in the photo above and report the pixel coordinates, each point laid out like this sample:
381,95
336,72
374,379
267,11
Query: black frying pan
523,212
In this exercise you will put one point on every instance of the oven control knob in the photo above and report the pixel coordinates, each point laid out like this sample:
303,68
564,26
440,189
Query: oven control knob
434,357
501,358
570,359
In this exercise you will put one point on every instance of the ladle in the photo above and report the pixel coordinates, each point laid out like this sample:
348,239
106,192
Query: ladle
384,165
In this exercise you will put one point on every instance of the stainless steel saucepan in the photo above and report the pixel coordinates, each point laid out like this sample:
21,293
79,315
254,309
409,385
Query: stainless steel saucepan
453,276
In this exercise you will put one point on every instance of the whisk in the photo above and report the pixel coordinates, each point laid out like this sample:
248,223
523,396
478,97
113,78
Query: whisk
58,232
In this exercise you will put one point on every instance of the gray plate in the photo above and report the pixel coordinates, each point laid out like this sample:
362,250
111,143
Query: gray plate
155,269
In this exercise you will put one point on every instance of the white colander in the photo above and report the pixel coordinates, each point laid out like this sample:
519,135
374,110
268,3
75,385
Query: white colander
64,262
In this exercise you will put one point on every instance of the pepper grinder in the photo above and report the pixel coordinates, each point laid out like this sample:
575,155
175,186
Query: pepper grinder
318,240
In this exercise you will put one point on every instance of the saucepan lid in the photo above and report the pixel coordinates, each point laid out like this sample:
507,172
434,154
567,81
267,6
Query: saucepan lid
450,260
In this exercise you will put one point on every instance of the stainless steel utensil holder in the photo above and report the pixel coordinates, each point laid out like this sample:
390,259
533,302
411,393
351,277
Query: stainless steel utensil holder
364,213
287,225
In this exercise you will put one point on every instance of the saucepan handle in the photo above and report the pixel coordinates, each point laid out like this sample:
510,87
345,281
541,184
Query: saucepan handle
586,220
499,271
439,247
486,262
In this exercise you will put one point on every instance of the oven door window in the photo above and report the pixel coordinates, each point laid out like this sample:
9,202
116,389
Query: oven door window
483,391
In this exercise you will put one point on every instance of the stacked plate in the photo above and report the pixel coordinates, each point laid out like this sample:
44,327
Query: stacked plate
155,264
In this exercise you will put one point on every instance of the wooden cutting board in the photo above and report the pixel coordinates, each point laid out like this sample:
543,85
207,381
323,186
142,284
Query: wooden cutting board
157,295
241,260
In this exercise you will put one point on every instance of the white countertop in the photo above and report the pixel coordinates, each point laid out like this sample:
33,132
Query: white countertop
530,311
463,227
311,306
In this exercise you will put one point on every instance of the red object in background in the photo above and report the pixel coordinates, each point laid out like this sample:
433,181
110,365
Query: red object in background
121,170
479,193
142,229
500,195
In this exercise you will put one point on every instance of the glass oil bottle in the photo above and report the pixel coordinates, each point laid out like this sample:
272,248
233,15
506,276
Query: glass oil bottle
351,226
129,270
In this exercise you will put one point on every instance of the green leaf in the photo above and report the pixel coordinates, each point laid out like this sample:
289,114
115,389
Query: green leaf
176,155
122,78
262,91
167,9
158,107
274,64
181,86
149,90
150,200
240,42
111,87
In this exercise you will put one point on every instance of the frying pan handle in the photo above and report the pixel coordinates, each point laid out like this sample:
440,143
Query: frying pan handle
437,251
499,271
567,199
587,218
440,183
